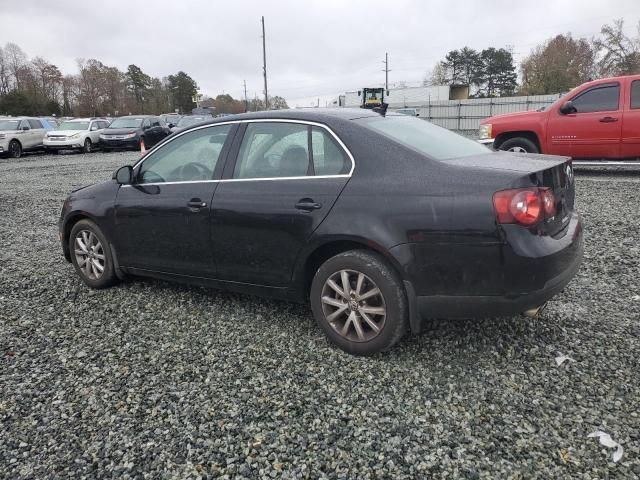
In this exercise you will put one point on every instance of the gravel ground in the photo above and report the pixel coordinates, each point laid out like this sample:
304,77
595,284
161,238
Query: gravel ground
157,380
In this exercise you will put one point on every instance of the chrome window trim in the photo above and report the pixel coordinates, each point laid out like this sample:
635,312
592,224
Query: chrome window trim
253,120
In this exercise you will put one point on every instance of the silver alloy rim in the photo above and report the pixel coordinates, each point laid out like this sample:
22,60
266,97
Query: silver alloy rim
14,149
87,145
353,305
517,150
89,254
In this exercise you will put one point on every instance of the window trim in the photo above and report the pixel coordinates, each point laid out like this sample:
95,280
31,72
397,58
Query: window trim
597,87
241,122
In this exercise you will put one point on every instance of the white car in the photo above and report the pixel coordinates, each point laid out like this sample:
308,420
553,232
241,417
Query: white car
77,134
20,134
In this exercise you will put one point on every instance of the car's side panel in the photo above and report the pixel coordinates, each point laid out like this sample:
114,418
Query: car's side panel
630,146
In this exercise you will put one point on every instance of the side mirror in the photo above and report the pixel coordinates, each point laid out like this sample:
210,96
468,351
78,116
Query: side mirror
124,175
24,129
567,108
170,125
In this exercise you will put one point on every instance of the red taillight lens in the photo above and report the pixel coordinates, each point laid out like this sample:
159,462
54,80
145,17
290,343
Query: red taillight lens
525,206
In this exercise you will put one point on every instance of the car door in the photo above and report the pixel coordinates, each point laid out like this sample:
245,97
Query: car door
36,133
630,146
271,200
594,129
95,129
162,219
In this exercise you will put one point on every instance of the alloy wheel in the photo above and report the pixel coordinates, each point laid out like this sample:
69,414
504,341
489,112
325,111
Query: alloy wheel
89,254
353,305
87,146
15,151
518,149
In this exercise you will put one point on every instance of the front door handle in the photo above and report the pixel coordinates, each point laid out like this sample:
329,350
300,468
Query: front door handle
608,119
308,204
196,204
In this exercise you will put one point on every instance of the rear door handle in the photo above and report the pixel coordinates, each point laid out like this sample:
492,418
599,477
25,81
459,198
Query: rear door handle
608,119
196,204
308,204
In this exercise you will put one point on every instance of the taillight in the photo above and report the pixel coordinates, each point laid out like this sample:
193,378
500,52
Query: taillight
525,206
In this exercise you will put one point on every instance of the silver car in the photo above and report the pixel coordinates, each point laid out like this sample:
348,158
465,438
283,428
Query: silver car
20,134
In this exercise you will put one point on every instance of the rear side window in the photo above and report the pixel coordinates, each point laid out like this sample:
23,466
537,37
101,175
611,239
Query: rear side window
635,94
328,157
273,150
35,123
603,98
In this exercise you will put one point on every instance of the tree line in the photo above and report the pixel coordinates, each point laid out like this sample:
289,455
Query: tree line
555,66
37,87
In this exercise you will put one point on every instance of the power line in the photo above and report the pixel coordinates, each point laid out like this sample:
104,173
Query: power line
264,67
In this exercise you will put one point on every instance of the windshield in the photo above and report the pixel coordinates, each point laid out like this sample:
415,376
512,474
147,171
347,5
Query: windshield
186,121
171,118
126,122
425,137
74,126
9,124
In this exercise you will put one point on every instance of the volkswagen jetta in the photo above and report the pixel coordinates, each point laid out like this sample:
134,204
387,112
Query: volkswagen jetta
376,221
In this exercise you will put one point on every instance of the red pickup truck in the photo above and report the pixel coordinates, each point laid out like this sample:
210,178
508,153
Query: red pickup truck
597,120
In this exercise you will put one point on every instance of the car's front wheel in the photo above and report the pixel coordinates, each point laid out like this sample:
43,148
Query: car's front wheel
519,145
15,149
91,255
360,303
87,146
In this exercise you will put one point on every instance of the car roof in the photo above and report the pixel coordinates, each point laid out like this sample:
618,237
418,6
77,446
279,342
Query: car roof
320,115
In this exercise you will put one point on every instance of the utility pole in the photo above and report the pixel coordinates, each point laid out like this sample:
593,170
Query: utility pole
386,71
246,102
264,68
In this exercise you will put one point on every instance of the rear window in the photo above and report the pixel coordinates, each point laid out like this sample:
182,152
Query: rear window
425,137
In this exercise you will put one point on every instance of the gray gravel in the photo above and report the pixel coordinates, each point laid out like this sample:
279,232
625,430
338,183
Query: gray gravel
157,380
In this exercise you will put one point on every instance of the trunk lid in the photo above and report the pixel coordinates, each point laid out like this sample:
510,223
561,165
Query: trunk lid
550,171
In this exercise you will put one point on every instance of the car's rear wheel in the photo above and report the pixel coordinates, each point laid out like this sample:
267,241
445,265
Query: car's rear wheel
359,302
87,146
91,255
15,149
519,145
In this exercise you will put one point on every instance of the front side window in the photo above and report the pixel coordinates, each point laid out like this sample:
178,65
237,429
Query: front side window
190,157
274,150
635,94
35,124
598,99
424,137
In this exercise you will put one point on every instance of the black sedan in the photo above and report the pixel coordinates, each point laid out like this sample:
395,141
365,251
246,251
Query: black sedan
377,221
133,132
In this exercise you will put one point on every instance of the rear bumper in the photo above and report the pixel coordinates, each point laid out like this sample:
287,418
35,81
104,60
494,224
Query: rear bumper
485,280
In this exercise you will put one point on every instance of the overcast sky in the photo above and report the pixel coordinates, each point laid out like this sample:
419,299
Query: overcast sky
316,48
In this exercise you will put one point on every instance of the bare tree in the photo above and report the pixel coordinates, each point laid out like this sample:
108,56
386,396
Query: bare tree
619,54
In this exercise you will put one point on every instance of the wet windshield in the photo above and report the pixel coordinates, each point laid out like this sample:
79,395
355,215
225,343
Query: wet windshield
425,137
9,124
126,122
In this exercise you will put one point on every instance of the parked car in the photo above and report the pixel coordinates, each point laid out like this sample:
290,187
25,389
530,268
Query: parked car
130,131
19,135
171,119
377,221
188,120
597,120
77,134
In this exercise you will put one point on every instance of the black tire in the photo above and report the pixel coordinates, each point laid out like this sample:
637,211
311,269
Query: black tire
87,146
15,149
108,276
106,150
377,271
519,144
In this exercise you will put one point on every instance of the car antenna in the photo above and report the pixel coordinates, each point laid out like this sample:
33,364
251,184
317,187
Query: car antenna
382,109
